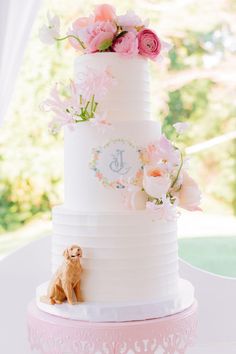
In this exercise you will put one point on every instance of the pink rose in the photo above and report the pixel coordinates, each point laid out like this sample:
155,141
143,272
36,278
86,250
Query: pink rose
156,182
105,12
189,195
127,45
99,36
149,44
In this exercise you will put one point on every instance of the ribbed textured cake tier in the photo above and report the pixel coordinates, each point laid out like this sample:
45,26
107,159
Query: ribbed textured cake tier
83,189
129,98
127,256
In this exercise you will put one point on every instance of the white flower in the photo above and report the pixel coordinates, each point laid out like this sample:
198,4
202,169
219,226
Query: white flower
134,198
155,181
165,211
48,33
189,196
130,19
180,127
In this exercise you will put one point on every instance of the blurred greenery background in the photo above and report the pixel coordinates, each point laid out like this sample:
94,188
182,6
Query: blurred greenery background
196,83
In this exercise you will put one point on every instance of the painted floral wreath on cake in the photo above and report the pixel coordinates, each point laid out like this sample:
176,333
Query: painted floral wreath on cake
104,31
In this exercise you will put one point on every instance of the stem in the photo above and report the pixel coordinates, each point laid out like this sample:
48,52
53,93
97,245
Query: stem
92,102
71,36
180,167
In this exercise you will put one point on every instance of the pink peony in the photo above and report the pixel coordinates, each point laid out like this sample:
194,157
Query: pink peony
189,195
99,35
105,12
156,182
149,44
127,45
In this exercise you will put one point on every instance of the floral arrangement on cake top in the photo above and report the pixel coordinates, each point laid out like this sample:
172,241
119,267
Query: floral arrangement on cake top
105,31
164,184
82,101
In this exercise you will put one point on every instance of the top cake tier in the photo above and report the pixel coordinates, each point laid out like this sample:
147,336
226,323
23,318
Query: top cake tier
129,98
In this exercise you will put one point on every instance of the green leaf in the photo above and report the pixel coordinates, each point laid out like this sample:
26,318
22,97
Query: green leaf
105,45
121,34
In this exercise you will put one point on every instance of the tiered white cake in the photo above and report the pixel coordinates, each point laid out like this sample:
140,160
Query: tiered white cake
130,258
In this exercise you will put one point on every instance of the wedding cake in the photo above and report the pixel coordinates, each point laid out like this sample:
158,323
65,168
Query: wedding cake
124,180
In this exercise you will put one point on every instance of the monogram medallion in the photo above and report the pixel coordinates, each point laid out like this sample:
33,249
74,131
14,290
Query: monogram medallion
116,163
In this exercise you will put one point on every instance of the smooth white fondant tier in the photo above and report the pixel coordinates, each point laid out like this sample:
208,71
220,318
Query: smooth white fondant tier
83,191
127,256
119,312
129,98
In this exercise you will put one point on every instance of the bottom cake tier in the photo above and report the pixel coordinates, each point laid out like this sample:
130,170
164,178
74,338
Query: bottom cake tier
127,256
120,311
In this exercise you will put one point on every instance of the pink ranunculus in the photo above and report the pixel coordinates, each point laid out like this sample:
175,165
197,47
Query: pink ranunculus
105,12
149,44
127,45
156,181
189,196
96,34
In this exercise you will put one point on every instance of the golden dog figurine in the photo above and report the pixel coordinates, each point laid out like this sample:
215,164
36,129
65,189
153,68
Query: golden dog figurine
65,284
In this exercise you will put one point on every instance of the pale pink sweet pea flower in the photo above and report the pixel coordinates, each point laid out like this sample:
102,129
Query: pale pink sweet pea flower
130,20
149,44
77,30
105,12
164,211
181,127
163,150
126,45
49,33
189,196
96,34
155,181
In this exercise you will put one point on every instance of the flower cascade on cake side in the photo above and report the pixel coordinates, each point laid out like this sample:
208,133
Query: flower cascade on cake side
81,102
105,31
164,184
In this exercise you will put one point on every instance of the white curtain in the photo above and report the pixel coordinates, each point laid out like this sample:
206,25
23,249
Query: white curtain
16,19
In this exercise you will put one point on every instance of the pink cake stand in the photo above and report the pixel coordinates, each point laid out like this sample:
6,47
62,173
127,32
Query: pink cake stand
168,335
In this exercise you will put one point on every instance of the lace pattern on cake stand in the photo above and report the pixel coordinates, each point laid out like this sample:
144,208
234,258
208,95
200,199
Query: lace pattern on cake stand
169,335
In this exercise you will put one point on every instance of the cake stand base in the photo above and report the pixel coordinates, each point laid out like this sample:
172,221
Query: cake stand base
168,335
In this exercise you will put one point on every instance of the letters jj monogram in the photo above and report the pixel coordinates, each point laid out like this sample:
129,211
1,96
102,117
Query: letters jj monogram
118,165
